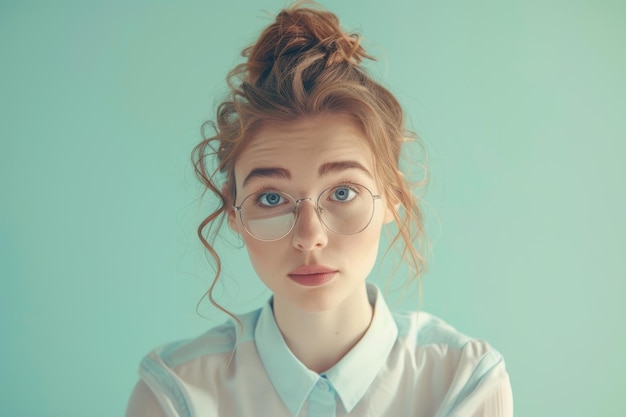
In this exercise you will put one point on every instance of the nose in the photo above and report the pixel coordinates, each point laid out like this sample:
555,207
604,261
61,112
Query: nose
309,232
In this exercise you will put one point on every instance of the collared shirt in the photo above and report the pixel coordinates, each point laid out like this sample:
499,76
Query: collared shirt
405,365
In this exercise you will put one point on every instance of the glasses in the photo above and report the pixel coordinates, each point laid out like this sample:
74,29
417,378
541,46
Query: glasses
345,209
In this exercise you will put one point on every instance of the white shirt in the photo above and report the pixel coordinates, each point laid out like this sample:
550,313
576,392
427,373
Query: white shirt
405,365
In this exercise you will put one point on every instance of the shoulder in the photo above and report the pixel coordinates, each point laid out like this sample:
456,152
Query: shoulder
422,330
170,371
216,341
462,371
436,341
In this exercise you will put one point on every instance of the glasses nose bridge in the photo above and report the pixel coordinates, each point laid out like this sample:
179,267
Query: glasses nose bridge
316,206
300,200
315,217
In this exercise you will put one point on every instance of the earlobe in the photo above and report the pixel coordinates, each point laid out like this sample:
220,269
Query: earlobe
393,206
392,209
232,220
230,211
390,213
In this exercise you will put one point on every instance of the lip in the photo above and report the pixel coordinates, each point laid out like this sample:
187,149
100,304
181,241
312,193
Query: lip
311,270
312,275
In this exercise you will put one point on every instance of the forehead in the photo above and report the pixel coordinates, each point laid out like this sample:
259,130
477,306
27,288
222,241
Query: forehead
304,145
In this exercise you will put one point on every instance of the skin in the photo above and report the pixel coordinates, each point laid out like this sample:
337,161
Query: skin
321,323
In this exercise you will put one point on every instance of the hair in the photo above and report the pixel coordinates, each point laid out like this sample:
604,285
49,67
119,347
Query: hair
304,65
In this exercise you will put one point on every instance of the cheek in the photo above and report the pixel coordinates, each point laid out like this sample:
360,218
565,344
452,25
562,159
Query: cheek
362,250
263,257
255,251
373,235
371,244
356,253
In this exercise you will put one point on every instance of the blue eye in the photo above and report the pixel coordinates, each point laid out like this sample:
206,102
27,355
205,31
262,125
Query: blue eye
270,199
343,194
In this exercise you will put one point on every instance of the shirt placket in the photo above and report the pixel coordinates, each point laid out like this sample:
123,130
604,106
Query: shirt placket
322,401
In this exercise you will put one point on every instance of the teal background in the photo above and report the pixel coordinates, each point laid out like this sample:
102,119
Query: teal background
520,105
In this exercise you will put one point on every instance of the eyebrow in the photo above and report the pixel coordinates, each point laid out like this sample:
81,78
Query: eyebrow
267,173
339,166
325,169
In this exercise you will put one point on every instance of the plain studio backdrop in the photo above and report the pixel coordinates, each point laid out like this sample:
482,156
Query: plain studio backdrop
521,107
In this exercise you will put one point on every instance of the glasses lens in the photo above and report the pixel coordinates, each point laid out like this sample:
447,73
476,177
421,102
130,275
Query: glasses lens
268,215
346,209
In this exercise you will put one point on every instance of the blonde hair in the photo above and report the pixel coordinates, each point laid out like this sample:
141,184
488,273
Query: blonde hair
304,65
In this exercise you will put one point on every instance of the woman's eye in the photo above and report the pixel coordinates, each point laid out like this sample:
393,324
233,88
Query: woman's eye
343,194
270,199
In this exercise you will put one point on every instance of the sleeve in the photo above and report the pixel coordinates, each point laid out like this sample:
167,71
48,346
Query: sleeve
481,387
491,397
165,387
143,403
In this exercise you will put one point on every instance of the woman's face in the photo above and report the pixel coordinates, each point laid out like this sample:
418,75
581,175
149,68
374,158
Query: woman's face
311,268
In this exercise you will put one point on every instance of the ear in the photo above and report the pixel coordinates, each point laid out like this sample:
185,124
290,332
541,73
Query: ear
232,220
232,215
393,203
390,210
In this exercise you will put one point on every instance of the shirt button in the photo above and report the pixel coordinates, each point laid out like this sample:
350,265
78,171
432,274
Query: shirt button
325,384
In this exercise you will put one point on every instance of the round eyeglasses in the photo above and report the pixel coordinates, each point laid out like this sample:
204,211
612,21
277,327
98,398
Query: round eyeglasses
344,209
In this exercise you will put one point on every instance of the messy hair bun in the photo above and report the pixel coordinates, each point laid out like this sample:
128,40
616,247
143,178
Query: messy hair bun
302,50
303,65
297,35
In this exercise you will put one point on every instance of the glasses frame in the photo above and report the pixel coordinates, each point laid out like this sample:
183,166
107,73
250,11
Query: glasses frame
297,201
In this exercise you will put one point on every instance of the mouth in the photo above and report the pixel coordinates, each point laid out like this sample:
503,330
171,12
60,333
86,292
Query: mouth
312,275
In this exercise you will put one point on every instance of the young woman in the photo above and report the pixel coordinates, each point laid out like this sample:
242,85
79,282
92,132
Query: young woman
307,150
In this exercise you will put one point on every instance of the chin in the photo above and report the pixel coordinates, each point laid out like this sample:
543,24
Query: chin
318,304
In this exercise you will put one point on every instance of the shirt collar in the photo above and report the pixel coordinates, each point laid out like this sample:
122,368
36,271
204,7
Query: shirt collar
355,372
294,382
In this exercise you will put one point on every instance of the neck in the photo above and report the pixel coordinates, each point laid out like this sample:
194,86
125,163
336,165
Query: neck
320,339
